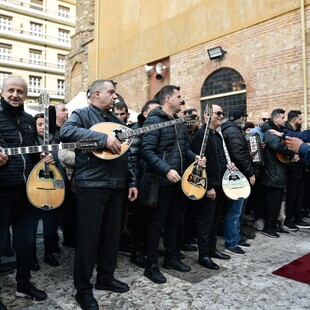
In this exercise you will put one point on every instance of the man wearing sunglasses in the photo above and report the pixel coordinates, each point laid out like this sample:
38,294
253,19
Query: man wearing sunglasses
264,117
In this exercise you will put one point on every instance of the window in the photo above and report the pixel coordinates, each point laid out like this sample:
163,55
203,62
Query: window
60,87
224,87
5,22
35,84
37,5
64,35
36,29
61,61
3,76
5,51
63,11
35,57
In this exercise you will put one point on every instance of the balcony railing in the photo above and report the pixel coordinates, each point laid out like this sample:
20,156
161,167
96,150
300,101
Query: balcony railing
44,9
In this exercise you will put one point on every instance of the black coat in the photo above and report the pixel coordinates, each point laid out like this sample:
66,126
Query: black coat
91,171
238,148
274,172
215,169
157,145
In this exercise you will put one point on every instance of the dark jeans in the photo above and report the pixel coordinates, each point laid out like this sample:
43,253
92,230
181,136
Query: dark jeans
99,214
294,197
166,215
207,216
273,200
50,226
15,209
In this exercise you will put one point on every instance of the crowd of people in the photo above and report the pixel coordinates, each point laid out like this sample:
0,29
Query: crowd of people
101,194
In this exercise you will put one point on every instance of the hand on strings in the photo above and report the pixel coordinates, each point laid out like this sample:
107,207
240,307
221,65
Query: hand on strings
114,145
47,158
201,160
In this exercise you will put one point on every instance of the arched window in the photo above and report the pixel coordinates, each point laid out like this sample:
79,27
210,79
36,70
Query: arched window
224,87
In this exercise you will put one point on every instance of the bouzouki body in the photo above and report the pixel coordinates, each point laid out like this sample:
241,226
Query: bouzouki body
284,159
125,135
45,189
45,185
235,185
194,179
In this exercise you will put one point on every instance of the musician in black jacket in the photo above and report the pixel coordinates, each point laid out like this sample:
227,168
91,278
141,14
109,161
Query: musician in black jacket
17,128
100,187
208,206
165,152
274,174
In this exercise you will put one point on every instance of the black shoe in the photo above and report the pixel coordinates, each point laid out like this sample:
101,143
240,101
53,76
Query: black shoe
2,306
86,301
207,262
235,250
35,265
180,255
176,264
30,291
188,247
270,233
6,268
290,226
152,272
280,230
302,224
138,259
113,286
244,244
50,259
56,249
219,255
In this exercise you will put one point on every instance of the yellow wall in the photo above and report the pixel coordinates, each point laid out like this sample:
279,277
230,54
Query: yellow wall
131,33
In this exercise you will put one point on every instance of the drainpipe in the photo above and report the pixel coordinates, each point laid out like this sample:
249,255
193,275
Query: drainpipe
304,62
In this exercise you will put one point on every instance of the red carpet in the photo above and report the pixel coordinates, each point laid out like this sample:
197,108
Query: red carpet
298,270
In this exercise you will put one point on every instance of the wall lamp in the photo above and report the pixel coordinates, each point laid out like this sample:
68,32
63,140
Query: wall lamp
216,53
159,68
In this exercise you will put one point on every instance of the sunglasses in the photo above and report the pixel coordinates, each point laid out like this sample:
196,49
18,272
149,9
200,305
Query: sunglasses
265,119
219,113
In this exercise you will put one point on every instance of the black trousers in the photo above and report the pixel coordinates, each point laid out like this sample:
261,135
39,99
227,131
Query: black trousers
99,213
294,197
167,215
273,200
16,209
207,214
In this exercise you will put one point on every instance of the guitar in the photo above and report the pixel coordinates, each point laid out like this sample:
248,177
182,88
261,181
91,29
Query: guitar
283,158
235,185
194,179
125,134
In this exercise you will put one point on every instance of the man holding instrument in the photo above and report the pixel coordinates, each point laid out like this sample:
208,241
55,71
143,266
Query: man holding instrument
165,152
208,207
100,187
17,128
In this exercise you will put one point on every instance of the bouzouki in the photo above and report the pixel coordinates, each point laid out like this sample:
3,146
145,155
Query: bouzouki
283,158
125,134
235,185
45,185
194,179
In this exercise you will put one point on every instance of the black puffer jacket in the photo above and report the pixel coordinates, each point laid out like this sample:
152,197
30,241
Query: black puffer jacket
91,171
238,148
17,169
157,145
274,172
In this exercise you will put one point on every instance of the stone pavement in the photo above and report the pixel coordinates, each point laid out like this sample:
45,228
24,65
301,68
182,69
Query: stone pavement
241,283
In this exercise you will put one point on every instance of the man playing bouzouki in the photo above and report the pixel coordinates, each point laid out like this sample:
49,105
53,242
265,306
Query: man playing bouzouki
208,207
17,128
100,187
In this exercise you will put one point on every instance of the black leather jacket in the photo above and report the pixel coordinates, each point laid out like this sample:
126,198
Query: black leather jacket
238,148
157,145
18,167
274,172
91,171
